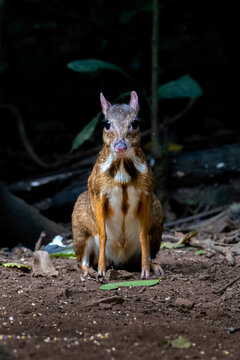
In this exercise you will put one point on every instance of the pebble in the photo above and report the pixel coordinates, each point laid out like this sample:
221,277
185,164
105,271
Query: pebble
184,303
208,305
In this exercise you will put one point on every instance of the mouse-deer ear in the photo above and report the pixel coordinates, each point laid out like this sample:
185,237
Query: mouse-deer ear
105,104
134,101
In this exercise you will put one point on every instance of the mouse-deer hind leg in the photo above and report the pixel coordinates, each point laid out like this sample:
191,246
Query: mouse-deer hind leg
83,248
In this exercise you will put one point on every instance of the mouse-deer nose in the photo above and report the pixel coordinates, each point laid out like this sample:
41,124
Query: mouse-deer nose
120,146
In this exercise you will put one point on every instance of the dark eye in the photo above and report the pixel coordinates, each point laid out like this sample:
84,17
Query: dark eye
135,124
106,124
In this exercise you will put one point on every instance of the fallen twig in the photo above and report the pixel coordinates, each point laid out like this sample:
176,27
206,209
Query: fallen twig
232,237
193,217
226,252
28,185
201,244
227,285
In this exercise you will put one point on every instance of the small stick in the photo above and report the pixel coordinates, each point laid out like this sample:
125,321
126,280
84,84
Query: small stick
193,217
226,286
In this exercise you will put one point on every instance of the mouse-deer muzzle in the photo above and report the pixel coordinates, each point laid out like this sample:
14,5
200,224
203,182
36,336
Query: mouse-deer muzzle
120,146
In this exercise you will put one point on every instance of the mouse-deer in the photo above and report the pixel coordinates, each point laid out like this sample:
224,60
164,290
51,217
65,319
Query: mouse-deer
119,219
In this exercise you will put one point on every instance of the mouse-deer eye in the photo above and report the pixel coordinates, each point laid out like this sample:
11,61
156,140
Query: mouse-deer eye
106,124
134,124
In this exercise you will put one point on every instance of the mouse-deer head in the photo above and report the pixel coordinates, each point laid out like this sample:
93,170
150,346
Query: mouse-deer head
121,126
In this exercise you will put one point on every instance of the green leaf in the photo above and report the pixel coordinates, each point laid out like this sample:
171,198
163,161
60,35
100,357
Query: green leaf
85,133
181,343
186,86
93,65
73,256
22,267
168,245
112,286
199,252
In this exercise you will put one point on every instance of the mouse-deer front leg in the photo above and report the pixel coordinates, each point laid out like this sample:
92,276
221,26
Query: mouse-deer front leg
145,213
99,203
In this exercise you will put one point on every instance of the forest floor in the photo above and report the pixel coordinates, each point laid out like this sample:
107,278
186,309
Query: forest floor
69,317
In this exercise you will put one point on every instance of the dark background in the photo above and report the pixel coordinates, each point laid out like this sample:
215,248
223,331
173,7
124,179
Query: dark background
38,38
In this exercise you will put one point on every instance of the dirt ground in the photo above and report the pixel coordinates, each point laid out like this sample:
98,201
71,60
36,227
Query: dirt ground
68,317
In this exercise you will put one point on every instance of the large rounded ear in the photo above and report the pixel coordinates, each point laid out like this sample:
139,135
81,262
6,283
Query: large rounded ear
105,104
134,101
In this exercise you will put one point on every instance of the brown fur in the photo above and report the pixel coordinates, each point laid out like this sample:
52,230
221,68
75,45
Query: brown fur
93,207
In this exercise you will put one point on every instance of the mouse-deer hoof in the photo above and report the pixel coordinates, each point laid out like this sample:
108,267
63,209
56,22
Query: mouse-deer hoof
145,274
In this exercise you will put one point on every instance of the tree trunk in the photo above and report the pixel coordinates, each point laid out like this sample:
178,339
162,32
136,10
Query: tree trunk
20,222
160,166
154,119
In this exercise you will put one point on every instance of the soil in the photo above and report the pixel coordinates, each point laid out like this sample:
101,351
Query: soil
69,317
